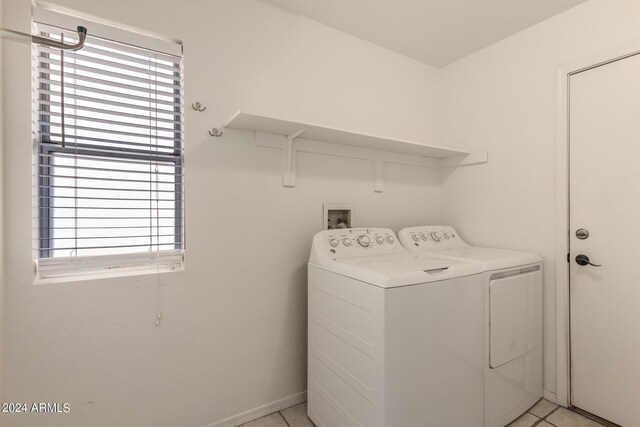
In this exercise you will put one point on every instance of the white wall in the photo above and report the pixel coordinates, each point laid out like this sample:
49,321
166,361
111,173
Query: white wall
233,336
503,99
2,310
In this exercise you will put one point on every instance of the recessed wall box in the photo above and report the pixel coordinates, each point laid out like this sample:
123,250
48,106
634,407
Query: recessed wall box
338,215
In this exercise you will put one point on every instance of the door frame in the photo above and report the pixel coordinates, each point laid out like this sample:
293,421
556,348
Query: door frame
563,337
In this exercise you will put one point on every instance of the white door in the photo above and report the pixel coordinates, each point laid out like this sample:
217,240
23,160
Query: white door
605,201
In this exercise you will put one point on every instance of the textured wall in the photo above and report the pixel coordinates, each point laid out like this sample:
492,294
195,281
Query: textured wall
233,335
503,99
2,283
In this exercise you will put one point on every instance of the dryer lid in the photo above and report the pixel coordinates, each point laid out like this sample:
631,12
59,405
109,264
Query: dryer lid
490,258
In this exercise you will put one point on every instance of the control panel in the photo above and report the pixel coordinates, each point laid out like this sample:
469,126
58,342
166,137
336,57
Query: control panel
430,237
353,242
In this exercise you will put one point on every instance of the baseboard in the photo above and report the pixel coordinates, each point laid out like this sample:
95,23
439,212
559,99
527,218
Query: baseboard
550,396
261,411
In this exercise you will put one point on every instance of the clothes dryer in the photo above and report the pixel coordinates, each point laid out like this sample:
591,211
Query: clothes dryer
512,317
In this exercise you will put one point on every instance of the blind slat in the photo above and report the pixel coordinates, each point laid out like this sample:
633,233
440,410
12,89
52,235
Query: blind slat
93,99
95,90
118,123
105,160
108,208
140,90
112,237
113,56
152,83
147,245
112,155
108,227
95,178
126,218
80,168
153,199
100,193
53,57
71,137
111,131
153,113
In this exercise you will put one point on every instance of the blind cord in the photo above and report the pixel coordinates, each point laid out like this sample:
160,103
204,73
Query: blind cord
62,127
75,160
157,192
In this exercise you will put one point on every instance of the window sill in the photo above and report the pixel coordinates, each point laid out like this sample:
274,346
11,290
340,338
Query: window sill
74,269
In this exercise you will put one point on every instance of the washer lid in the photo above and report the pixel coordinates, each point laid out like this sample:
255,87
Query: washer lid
388,271
490,259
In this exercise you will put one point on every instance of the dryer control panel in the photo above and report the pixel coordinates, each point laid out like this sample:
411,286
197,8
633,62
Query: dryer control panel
353,242
429,237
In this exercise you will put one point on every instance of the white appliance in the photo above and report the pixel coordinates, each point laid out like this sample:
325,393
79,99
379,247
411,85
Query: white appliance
395,339
512,318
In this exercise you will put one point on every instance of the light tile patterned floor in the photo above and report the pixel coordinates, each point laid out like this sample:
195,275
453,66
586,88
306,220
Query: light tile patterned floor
548,414
296,416
542,414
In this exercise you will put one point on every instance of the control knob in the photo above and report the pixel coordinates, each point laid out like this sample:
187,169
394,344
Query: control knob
416,237
446,235
390,239
424,236
380,240
334,242
346,241
364,241
436,236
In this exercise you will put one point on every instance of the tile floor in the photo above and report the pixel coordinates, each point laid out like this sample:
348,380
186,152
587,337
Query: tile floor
548,414
296,416
542,414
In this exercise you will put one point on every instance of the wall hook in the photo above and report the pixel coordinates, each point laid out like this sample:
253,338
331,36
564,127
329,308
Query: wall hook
198,106
215,132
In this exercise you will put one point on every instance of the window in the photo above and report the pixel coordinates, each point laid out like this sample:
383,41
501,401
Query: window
109,159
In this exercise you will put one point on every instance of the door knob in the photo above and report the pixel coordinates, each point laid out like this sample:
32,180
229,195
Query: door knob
584,260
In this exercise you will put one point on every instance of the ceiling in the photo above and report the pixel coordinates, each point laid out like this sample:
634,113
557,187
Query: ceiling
436,32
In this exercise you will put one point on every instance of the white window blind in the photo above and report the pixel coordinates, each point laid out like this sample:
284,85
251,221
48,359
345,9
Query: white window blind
109,156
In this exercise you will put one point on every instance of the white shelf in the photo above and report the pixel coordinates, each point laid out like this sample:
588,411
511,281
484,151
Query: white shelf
255,123
293,137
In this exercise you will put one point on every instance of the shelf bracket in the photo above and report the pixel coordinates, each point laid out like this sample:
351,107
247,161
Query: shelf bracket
378,172
289,159
474,158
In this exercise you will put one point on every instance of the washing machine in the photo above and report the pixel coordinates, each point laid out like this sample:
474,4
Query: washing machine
394,338
512,318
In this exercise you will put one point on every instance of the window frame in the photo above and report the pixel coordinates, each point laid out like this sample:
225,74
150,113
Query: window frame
51,269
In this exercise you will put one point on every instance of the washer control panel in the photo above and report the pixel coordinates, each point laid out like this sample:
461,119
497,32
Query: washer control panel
429,237
356,242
